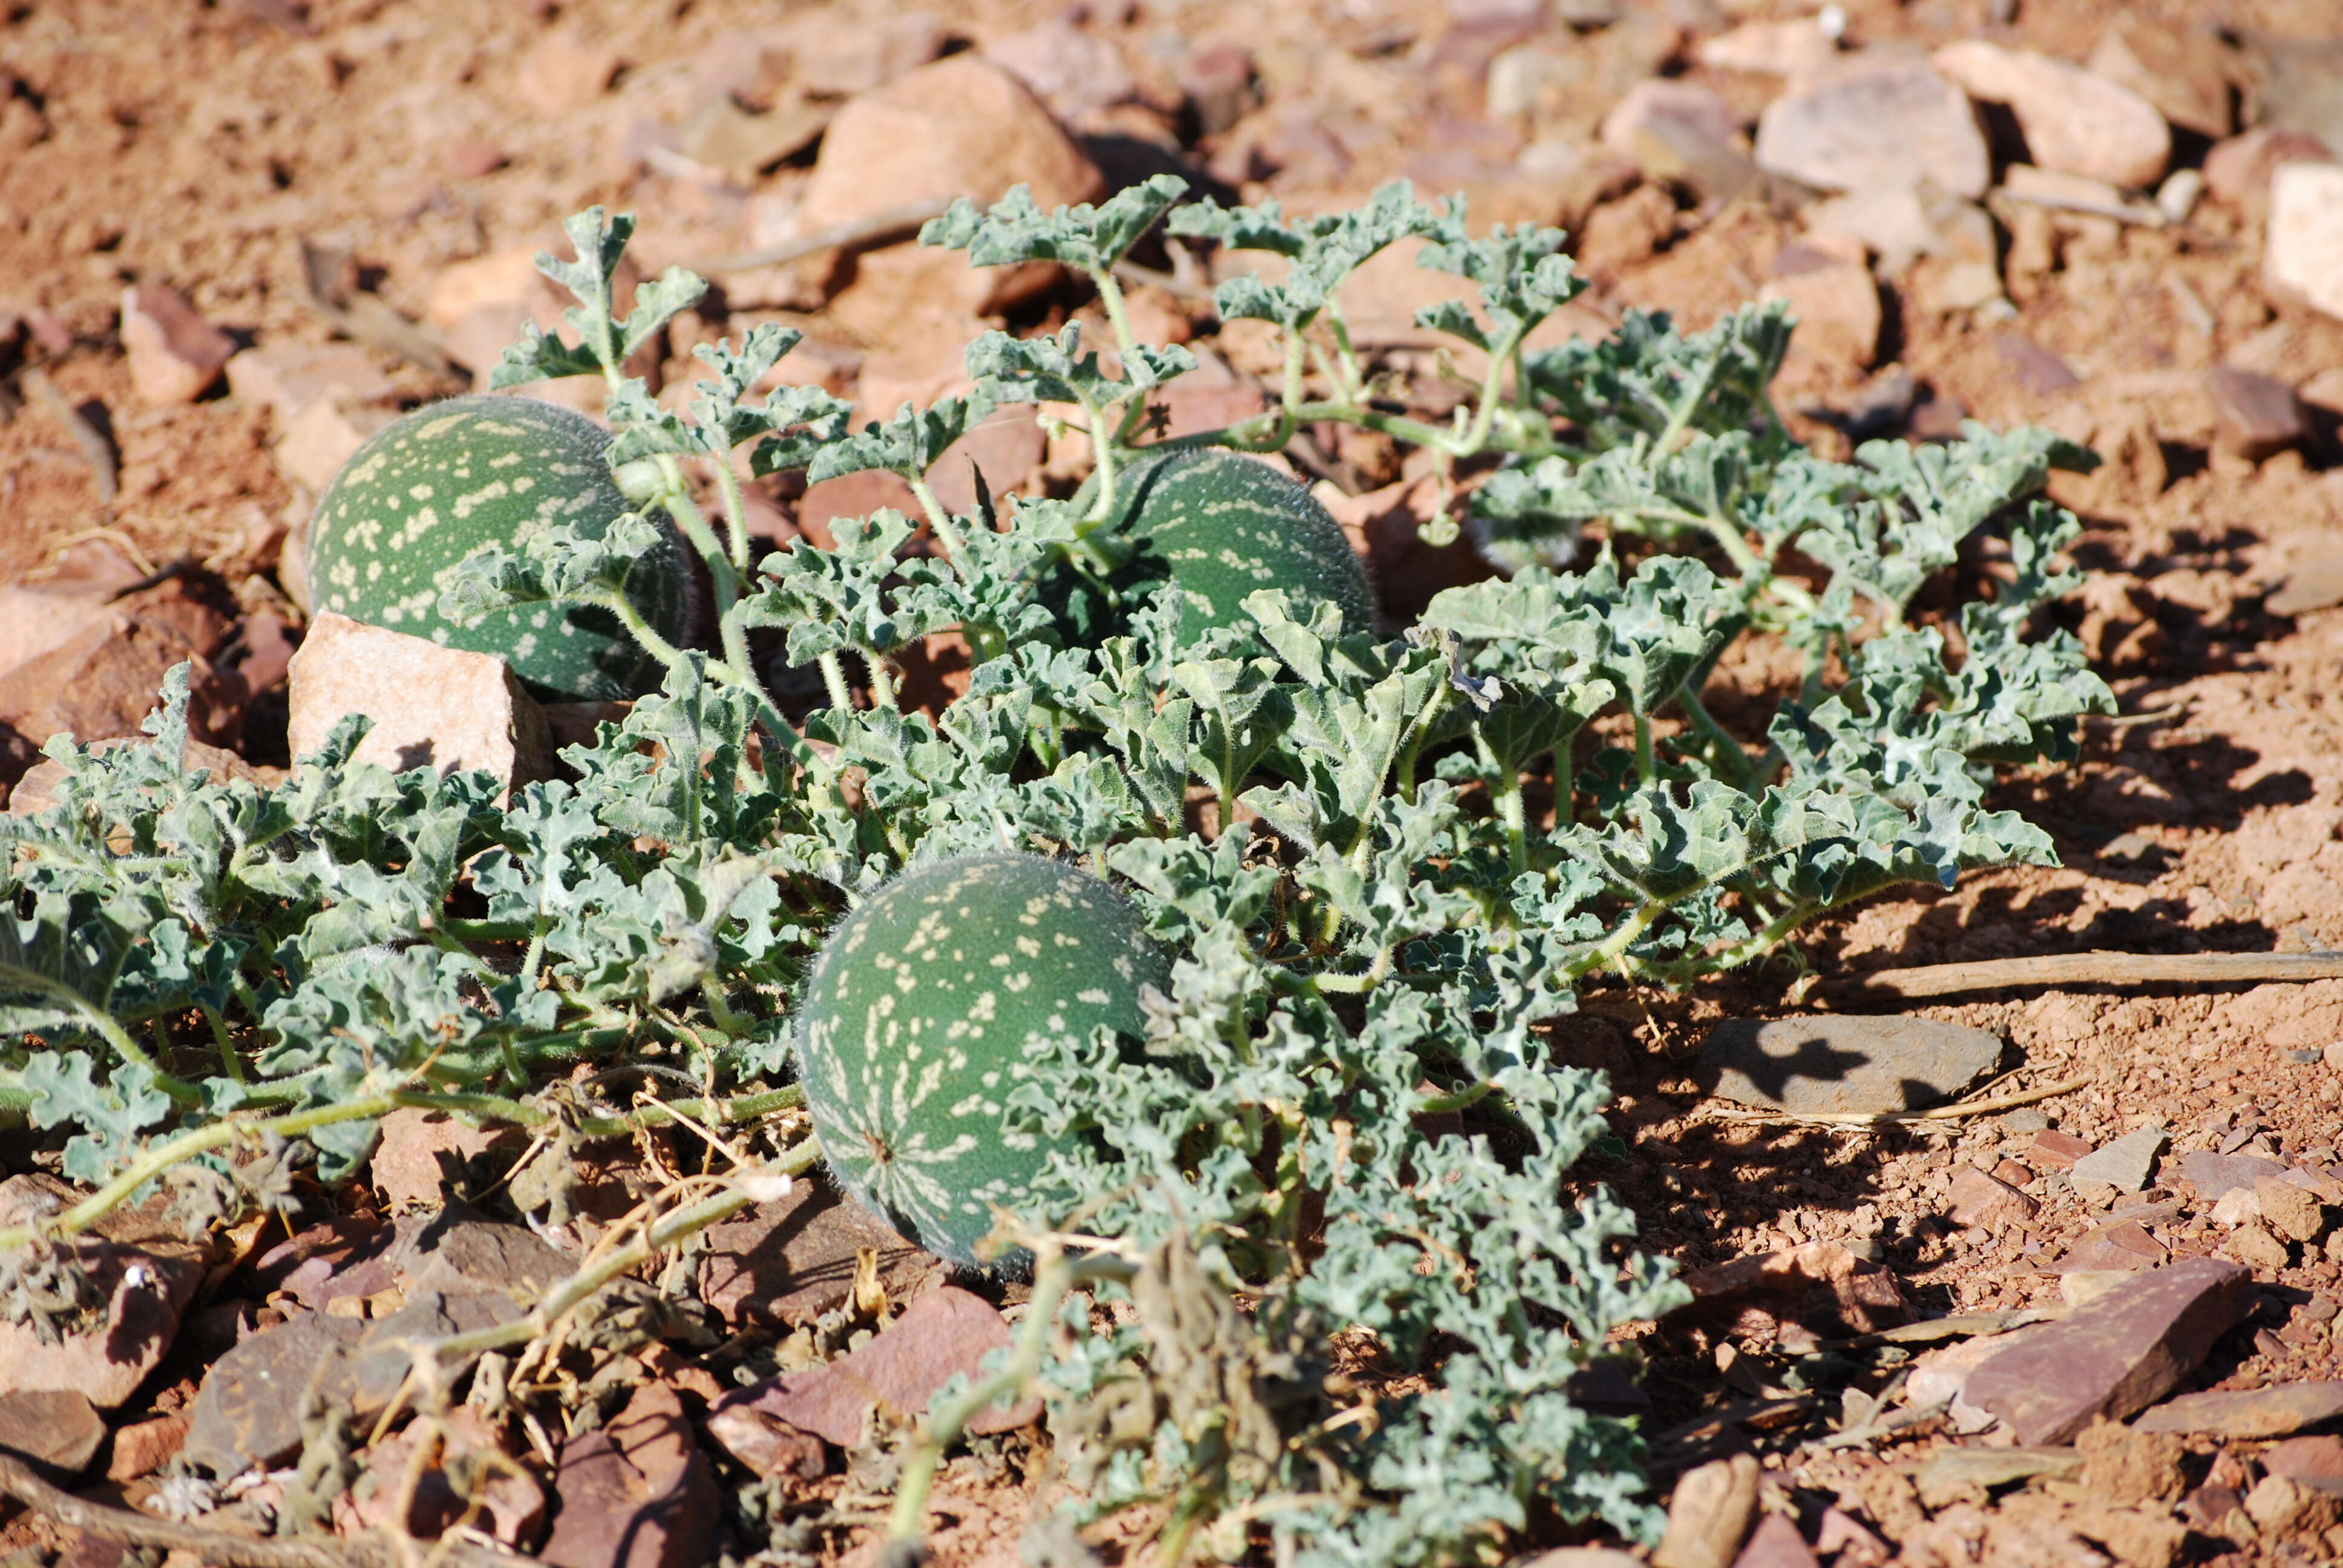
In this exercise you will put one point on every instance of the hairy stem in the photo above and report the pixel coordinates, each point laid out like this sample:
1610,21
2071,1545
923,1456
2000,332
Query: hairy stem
940,520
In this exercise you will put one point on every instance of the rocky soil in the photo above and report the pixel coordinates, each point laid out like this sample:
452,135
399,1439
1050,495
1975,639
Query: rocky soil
2050,1276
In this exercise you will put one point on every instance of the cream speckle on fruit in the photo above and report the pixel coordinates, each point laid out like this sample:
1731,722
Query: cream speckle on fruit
977,962
404,512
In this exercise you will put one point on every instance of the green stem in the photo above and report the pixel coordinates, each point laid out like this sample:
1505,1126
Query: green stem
1646,764
1109,293
162,1156
736,514
1102,455
1508,790
1762,940
1722,744
941,522
1053,1275
100,1023
882,682
1440,1104
675,495
833,680
231,1063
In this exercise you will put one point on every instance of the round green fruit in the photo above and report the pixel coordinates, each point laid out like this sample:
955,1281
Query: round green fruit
921,1018
434,486
1225,525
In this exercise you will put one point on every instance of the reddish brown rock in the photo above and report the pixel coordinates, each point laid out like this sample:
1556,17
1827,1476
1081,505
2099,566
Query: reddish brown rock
2254,415
1821,1285
963,127
143,1280
511,1504
2055,1151
102,679
1775,1543
1977,1199
1008,447
1709,1514
851,495
325,1262
788,1262
2316,1462
2238,170
1850,1062
2254,1412
248,1411
143,1447
315,442
175,355
2291,1210
1386,527
461,1251
472,159
2123,1247
408,1162
1836,305
1667,98
432,707
765,1444
2302,255
55,1428
2253,1243
2214,1175
564,71
945,1334
635,1492
2115,1356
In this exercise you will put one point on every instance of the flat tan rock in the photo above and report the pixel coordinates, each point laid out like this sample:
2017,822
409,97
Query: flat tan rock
432,707
1865,122
2183,73
289,376
175,355
2304,254
2075,120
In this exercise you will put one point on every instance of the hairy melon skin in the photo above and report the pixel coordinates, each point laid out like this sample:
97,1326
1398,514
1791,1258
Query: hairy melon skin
921,1014
449,478
1226,524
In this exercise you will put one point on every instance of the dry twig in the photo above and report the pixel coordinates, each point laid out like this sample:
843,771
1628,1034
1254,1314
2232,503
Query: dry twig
2102,970
219,1546
888,224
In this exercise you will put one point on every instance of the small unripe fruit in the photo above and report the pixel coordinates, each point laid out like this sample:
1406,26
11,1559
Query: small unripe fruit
922,1015
1226,524
436,484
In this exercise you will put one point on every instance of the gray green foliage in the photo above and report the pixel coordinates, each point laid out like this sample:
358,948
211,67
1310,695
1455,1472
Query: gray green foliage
1379,866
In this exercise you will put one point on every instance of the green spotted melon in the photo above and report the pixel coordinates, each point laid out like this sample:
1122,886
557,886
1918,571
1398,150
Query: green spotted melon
920,1018
436,484
1225,525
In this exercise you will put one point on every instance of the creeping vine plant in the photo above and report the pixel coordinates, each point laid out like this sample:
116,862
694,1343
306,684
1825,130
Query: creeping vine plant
1431,838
